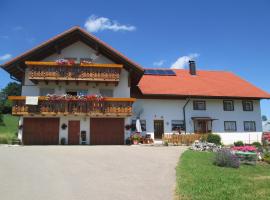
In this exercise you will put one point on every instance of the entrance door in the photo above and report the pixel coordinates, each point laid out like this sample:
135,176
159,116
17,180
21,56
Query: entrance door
158,129
201,126
74,132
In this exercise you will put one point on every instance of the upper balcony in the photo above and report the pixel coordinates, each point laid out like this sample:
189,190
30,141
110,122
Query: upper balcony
70,71
87,106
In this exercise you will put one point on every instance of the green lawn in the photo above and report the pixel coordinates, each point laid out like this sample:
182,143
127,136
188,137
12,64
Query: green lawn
198,178
9,129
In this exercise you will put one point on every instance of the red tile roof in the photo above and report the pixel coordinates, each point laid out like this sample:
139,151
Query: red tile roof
204,84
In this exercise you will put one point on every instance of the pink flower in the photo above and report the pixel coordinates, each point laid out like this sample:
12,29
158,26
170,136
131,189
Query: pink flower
244,148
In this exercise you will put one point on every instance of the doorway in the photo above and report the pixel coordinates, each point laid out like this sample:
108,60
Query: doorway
74,132
158,129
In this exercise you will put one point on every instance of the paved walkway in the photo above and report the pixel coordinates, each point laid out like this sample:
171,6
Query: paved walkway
88,172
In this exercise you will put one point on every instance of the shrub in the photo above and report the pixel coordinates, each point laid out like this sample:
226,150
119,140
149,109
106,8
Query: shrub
239,143
204,137
256,144
266,157
166,143
224,158
4,140
1,119
214,138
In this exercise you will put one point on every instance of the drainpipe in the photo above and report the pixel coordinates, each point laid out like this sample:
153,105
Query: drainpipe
184,114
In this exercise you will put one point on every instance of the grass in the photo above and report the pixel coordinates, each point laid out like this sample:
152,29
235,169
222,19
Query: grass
198,178
8,130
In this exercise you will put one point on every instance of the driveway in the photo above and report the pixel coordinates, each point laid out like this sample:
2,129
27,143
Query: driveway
88,172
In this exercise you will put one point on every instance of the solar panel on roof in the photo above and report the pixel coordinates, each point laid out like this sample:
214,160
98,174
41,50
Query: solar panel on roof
161,72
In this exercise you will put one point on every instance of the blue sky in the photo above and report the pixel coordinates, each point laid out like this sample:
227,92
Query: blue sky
222,35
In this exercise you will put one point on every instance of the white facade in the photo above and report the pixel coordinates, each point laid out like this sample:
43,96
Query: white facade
168,110
150,109
77,50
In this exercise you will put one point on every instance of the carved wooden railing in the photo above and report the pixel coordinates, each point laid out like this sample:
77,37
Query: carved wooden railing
106,107
94,72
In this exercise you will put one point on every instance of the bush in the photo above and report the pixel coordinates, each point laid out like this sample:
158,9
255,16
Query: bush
266,157
3,140
1,119
257,144
214,138
166,143
224,158
239,143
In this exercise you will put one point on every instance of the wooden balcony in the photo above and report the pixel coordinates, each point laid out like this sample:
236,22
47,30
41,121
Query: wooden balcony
108,107
90,72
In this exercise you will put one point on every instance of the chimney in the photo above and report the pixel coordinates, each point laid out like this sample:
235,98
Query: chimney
192,67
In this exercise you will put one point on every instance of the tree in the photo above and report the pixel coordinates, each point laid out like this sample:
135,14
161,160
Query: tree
264,118
12,89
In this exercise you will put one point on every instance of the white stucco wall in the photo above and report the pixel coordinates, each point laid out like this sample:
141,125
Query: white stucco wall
84,126
78,50
168,110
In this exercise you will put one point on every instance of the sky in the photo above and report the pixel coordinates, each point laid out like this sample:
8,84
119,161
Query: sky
220,35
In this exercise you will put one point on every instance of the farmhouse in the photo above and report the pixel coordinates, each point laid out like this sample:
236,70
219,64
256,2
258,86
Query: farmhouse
78,90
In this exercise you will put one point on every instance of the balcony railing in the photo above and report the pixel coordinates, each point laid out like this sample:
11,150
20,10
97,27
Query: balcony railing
93,72
107,107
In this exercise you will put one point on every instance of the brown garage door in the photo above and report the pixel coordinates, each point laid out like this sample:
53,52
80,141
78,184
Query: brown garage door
106,131
40,131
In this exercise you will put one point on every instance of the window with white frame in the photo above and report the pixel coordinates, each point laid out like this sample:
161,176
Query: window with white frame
45,91
249,126
228,105
142,122
106,92
247,105
230,126
199,105
178,125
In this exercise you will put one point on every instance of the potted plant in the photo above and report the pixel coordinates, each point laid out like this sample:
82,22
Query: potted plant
136,137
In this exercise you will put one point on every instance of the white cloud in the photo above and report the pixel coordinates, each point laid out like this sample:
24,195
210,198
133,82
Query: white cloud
95,24
5,57
182,61
159,63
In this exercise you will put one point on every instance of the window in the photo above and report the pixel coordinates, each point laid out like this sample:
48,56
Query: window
228,105
249,126
142,122
82,92
46,91
178,125
247,105
230,126
106,92
72,93
199,105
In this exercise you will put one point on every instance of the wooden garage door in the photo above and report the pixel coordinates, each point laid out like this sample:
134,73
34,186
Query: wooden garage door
106,131
40,131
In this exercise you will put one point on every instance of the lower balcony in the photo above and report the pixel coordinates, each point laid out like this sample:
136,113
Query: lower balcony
105,107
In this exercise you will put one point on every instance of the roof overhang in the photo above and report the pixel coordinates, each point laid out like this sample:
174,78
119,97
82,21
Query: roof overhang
16,66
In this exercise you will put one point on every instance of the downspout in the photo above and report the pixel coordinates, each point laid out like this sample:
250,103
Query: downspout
184,114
